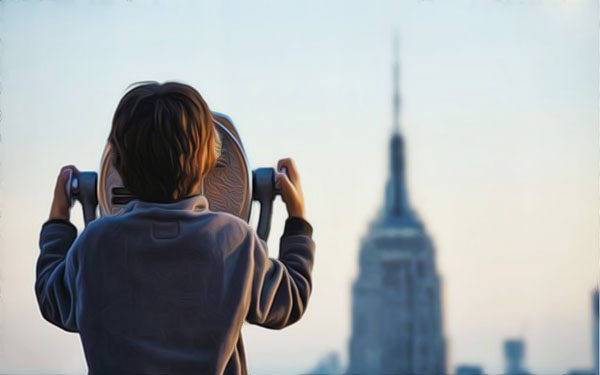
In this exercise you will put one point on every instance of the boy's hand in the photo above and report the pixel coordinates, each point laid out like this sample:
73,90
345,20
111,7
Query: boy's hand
61,206
287,180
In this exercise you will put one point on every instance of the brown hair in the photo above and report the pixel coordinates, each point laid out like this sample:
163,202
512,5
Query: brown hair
163,140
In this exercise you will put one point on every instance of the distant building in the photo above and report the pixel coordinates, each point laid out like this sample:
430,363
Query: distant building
581,372
514,357
328,365
469,370
594,369
595,333
396,308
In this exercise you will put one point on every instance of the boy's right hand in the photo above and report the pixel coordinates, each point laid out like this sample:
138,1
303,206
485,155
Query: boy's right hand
61,207
287,180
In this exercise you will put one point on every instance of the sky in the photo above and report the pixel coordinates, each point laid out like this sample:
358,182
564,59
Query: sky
500,118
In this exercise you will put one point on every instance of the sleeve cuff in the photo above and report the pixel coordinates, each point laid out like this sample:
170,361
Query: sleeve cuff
296,225
60,221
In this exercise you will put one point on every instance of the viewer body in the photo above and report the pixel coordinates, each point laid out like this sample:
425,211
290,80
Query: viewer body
165,286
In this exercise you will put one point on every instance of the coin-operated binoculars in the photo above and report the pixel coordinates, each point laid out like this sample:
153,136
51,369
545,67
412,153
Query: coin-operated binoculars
230,187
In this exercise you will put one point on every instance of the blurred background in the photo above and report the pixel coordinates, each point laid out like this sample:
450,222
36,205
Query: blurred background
498,118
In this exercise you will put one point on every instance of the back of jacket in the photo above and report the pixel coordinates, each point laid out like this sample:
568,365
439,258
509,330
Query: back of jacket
165,288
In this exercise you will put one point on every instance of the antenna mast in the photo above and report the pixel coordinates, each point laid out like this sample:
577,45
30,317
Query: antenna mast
396,75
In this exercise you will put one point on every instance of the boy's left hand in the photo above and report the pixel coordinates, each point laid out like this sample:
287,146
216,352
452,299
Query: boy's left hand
61,207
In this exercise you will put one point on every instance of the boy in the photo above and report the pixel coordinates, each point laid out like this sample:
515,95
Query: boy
165,286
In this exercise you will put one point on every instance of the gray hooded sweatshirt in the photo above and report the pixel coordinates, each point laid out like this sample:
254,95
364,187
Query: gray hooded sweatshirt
164,288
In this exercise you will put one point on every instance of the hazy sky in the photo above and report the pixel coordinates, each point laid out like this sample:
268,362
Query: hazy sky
500,114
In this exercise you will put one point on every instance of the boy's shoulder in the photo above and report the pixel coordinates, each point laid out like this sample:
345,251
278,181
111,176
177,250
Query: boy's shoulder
223,223
207,221
226,219
225,233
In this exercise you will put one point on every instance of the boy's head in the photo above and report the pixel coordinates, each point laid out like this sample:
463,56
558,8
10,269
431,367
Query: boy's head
163,140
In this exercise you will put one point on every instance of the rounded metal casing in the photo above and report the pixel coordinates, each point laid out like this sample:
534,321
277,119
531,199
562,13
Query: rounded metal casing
228,187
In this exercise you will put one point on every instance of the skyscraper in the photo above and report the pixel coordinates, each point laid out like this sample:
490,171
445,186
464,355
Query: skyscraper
396,312
595,333
514,356
469,370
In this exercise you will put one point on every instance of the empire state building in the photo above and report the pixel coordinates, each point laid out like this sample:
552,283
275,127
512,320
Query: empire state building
396,308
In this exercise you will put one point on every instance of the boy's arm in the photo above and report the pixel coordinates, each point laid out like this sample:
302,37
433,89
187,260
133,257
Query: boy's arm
281,287
55,274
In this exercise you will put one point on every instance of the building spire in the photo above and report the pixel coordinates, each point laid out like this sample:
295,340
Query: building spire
396,84
397,207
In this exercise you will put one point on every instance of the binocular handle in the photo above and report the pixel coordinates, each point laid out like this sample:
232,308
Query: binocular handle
83,188
264,191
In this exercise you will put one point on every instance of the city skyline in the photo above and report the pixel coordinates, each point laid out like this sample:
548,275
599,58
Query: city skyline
500,110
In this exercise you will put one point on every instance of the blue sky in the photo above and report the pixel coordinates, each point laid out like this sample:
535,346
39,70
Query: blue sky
500,114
